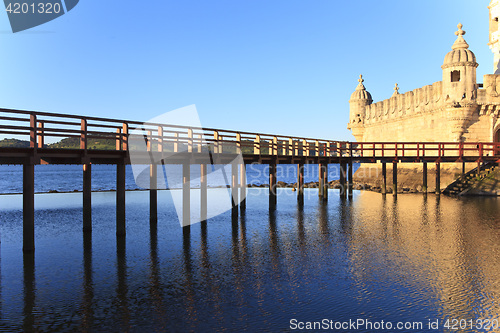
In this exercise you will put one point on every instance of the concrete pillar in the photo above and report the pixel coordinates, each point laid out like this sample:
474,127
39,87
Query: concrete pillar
438,178
395,178
234,188
120,199
243,187
87,197
272,186
203,194
424,179
300,183
186,195
28,207
384,178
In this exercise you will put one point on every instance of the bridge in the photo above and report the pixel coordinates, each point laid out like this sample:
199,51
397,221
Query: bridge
172,144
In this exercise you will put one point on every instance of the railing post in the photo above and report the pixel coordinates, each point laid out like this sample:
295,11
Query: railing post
176,142
125,137
83,134
328,151
41,140
200,143
291,147
383,149
461,150
190,140
284,149
118,139
305,148
275,146
160,139
316,148
238,143
33,130
256,145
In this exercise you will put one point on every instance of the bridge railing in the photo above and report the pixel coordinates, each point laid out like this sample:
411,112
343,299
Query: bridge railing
87,133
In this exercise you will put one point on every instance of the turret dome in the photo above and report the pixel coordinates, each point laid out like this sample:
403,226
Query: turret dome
361,93
460,54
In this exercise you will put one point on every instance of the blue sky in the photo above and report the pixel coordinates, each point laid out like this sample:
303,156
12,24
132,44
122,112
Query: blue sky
272,66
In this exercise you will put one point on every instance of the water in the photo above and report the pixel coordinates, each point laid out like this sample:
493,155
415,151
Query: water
68,178
415,259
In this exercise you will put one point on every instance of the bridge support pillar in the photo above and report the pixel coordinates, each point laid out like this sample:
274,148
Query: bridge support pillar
243,187
325,183
350,175
234,189
300,183
186,195
424,177
384,178
153,194
120,199
87,197
463,169
203,192
320,180
28,207
342,179
272,186
438,178
395,178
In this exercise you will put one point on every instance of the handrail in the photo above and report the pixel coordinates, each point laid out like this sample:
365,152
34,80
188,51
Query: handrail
220,140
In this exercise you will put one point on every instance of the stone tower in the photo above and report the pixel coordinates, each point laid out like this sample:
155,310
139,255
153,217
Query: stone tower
459,85
360,98
494,43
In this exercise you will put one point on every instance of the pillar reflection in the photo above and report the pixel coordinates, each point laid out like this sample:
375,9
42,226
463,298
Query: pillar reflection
88,284
29,291
122,286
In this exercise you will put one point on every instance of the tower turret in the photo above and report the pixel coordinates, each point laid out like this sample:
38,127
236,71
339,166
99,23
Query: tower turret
459,85
360,98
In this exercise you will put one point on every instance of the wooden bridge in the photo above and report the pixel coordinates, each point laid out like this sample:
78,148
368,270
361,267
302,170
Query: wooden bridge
183,145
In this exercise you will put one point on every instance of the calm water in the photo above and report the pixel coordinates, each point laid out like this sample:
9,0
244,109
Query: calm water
413,259
68,178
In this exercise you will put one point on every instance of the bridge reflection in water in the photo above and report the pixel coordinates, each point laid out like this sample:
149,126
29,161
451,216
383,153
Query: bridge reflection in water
409,258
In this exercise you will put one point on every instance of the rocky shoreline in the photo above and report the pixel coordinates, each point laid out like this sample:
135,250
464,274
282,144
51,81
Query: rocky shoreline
335,184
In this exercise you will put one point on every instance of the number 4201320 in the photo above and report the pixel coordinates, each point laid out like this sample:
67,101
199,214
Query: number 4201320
39,8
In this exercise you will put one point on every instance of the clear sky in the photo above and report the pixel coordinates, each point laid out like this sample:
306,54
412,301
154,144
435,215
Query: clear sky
272,66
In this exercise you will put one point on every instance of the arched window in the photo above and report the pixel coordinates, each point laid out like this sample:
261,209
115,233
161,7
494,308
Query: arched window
455,76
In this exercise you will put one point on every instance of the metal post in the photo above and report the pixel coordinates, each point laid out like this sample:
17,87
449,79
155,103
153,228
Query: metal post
87,197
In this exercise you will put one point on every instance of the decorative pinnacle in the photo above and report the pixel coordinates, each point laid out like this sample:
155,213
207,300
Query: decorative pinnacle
396,90
360,85
460,43
460,32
